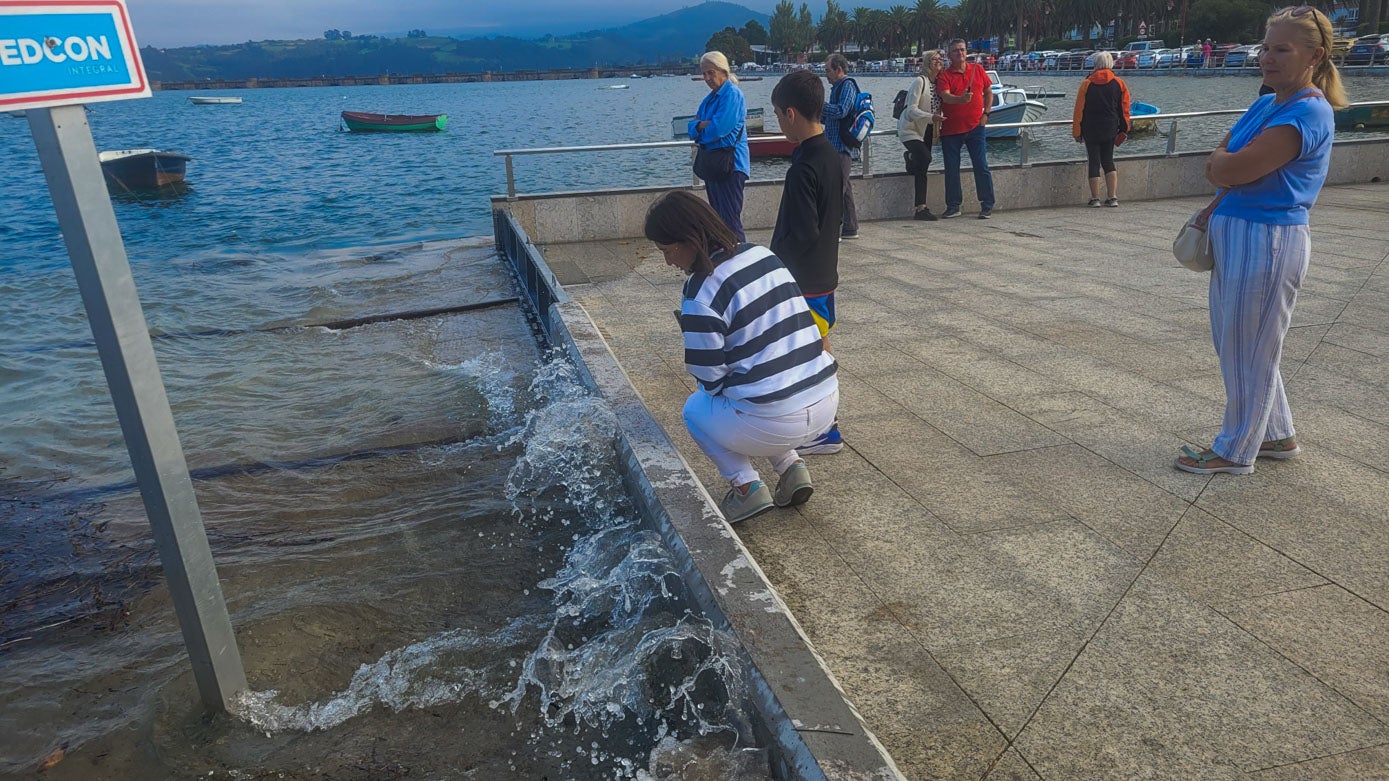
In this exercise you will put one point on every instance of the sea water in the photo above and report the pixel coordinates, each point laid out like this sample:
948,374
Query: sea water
427,557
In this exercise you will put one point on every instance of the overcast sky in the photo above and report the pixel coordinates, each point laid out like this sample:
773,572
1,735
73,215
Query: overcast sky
186,22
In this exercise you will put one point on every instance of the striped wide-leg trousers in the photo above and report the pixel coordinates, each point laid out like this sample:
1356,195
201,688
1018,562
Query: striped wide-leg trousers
1258,270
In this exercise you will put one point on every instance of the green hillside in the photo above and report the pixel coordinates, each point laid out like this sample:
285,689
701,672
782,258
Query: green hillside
668,38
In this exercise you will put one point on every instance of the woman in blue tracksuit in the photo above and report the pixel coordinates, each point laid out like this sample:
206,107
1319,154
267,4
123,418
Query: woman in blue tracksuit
722,122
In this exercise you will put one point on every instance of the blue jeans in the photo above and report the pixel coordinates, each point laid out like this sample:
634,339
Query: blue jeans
983,179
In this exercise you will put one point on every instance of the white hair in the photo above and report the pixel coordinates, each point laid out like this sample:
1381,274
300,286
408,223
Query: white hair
718,61
1103,60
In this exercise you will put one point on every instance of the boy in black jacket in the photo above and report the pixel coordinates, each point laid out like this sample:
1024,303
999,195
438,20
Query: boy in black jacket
806,237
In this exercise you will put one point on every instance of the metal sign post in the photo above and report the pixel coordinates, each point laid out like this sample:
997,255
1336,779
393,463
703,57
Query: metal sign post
56,54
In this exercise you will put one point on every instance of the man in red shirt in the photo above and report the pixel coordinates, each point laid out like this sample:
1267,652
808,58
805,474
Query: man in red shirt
967,96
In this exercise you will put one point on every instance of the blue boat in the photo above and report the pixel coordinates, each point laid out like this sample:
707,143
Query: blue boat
1137,113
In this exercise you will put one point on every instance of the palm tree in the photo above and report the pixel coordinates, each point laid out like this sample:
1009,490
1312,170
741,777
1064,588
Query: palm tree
833,29
863,24
928,24
899,20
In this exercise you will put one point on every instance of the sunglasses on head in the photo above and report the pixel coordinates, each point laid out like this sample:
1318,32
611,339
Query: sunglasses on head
1301,10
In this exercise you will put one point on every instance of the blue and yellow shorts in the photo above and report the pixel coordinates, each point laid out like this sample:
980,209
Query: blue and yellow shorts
822,309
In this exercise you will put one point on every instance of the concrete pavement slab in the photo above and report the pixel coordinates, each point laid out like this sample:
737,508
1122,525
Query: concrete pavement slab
1013,395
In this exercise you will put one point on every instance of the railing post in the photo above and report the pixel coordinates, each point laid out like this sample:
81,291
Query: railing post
1025,136
1172,139
867,157
694,178
510,180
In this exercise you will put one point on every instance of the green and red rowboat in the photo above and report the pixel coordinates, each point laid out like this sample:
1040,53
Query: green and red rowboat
362,122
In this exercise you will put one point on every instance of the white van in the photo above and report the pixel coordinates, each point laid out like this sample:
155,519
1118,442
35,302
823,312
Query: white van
1144,46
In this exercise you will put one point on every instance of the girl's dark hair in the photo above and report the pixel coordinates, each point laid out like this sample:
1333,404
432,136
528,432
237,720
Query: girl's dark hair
682,217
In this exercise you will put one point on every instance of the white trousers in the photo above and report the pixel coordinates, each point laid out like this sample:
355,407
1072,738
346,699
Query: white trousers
732,438
1258,270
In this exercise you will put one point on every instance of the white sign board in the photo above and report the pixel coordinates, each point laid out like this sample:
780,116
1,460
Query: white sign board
61,52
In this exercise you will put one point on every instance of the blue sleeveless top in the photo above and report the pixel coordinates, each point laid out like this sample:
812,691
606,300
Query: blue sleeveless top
1284,196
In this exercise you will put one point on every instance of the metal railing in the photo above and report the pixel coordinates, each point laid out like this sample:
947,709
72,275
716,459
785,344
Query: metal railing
866,152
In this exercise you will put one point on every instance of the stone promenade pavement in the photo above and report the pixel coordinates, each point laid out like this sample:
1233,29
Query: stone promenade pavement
1003,569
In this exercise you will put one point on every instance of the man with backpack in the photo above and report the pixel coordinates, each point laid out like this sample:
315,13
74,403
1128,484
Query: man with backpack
839,108
967,93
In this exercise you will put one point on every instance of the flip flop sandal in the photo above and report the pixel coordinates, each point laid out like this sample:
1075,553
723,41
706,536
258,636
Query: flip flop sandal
1278,448
1201,460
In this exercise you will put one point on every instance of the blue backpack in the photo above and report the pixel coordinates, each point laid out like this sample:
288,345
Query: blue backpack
854,128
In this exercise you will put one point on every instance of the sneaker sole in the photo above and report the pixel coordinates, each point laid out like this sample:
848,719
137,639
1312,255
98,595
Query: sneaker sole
1280,455
801,496
820,450
754,513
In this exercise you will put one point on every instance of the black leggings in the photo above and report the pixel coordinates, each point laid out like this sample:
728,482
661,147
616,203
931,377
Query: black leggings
918,157
1100,155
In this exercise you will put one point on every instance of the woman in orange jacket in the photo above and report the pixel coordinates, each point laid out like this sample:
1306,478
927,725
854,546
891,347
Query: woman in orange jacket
1101,120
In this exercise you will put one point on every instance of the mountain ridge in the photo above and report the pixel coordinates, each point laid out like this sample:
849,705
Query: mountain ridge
668,38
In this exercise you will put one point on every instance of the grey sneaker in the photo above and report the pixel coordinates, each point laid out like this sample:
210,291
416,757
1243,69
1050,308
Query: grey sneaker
985,214
795,487
1112,202
740,508
949,213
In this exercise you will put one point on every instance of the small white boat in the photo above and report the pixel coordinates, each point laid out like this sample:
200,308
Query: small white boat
1011,104
202,100
679,126
614,86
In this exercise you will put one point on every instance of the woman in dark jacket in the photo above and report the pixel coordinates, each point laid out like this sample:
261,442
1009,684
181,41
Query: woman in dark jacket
1101,120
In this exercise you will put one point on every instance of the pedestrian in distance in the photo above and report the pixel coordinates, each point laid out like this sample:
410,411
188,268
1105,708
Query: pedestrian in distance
967,93
1269,169
1101,121
806,236
916,129
838,109
720,129
766,383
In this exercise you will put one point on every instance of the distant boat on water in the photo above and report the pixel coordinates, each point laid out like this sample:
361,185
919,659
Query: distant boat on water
363,122
202,100
614,86
142,169
1137,121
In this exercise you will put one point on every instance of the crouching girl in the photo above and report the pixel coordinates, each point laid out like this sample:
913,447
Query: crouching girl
766,383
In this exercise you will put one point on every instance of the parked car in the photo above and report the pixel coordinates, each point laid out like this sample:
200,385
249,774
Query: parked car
1369,50
1340,47
1167,58
1218,52
1143,46
1148,59
1238,57
1125,60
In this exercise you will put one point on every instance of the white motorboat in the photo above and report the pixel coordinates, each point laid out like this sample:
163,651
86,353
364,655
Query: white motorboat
1011,104
615,86
203,100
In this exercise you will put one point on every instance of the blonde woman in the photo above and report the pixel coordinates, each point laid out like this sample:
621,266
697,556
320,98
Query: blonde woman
1270,170
916,128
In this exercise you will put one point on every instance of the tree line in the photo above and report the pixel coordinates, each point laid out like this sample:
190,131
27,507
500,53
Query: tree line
1020,24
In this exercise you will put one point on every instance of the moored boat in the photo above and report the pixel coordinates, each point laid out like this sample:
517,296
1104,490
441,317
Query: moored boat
365,122
206,100
756,122
1137,113
1362,117
1011,105
142,169
769,145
